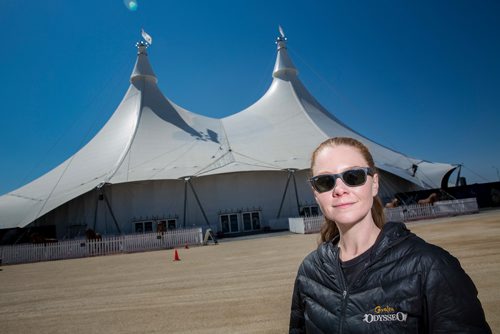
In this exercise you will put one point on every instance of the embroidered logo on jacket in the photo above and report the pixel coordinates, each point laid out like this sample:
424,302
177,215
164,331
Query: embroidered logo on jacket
384,313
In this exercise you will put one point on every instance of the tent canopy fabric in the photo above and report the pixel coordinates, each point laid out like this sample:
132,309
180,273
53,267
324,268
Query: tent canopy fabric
149,137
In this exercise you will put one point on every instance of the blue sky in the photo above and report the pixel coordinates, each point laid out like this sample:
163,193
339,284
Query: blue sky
421,77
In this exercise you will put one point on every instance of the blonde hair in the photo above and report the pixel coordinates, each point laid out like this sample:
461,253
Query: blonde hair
329,229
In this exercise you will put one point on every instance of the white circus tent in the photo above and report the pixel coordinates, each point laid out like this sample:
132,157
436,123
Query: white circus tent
155,162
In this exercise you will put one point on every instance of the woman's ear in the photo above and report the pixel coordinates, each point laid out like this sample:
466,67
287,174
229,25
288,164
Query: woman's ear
375,185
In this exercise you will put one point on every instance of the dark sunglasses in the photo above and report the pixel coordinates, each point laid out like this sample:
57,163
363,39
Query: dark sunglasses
352,178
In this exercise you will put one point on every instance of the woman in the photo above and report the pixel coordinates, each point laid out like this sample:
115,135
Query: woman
370,277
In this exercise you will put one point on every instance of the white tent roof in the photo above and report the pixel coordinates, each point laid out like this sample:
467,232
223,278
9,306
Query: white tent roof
149,138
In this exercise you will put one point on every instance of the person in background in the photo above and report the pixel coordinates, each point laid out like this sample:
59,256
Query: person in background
367,276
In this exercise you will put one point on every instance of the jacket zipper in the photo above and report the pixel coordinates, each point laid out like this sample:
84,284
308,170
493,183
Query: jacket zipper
345,294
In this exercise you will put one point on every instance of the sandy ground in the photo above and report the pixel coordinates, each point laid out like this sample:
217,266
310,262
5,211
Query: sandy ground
239,286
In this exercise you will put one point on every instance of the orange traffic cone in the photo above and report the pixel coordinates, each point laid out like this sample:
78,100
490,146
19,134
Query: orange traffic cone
176,256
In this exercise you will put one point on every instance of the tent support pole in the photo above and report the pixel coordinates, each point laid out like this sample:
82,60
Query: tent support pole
198,201
296,192
284,194
111,212
95,211
186,180
457,183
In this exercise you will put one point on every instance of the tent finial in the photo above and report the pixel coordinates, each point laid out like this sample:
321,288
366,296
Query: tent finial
282,33
281,40
147,37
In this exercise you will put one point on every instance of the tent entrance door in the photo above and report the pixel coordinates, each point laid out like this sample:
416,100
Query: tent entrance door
251,221
229,223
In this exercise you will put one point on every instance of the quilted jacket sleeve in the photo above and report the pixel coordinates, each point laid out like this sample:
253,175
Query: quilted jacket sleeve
451,299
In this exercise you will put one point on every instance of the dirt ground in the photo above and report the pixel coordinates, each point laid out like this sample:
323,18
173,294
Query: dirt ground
239,286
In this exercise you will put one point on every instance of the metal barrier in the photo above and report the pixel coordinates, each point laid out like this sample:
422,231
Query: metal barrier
69,249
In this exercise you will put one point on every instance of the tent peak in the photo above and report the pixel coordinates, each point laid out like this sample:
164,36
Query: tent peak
141,47
284,67
142,68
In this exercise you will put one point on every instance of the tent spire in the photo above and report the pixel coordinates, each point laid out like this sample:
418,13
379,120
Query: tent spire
284,67
142,68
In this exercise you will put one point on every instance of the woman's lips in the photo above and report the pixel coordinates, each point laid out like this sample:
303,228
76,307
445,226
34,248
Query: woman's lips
342,205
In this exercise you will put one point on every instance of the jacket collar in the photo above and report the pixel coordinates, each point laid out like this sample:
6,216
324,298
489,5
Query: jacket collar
392,233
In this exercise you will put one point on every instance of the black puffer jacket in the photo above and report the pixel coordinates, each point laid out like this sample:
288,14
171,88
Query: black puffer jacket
408,286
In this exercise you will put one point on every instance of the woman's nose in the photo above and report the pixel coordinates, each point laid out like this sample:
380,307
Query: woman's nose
340,187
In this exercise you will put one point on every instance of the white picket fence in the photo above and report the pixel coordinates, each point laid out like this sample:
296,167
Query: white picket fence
306,225
69,249
439,209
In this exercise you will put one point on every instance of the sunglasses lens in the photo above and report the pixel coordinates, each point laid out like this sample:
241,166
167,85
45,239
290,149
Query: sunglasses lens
323,183
354,177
